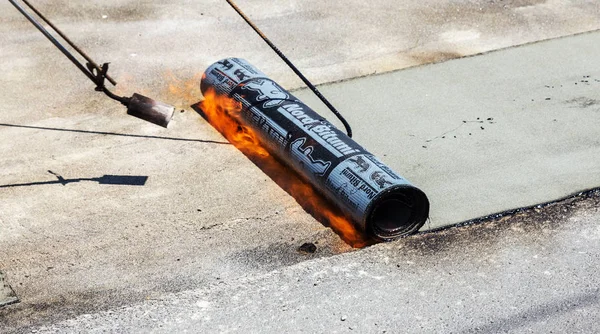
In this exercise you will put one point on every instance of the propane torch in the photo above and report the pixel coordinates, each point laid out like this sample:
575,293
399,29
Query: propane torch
137,105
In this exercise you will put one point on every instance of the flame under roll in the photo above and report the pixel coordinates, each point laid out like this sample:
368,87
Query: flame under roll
378,200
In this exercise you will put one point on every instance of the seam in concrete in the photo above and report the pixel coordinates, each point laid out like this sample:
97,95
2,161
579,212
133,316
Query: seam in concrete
580,195
329,83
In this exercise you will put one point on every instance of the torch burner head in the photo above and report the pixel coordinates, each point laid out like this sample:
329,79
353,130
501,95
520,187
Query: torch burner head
150,110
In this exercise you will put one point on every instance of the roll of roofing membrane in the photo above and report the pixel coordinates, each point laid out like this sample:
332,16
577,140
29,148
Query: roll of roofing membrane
376,199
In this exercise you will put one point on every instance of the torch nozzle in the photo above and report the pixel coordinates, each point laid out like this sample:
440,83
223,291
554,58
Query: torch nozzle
150,110
143,107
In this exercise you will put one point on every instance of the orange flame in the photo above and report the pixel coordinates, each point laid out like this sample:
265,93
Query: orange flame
221,112
183,92
218,110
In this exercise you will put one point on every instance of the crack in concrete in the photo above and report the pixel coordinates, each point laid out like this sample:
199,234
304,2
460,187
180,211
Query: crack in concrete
490,120
210,227
7,294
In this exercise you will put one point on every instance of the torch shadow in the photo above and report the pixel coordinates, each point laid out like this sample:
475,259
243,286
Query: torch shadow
324,213
122,180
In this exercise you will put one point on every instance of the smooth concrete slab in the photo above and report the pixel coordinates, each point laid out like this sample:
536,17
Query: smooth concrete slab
7,294
485,134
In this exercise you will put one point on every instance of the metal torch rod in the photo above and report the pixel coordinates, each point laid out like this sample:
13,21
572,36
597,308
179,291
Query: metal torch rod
75,47
53,40
289,63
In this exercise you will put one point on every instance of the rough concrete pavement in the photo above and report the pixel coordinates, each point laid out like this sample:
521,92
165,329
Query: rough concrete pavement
535,272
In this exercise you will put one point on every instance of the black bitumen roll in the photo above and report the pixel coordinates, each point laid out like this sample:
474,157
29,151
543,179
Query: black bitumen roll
378,201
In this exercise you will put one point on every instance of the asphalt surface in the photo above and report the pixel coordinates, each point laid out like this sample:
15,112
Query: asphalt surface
197,212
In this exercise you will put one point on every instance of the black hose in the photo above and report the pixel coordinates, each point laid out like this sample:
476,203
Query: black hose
289,63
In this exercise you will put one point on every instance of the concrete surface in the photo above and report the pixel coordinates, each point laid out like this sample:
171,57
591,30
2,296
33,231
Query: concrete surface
206,214
329,41
485,134
531,273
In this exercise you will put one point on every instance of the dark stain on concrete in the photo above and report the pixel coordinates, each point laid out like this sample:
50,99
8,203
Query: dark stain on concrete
533,226
539,313
273,256
515,3
434,57
584,102
22,317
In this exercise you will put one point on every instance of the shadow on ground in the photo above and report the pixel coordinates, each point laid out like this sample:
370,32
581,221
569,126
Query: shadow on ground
121,180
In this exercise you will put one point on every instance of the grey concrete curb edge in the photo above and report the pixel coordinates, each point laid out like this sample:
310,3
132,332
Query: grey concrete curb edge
579,195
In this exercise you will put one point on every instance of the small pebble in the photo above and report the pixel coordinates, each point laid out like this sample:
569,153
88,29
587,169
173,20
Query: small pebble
308,247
